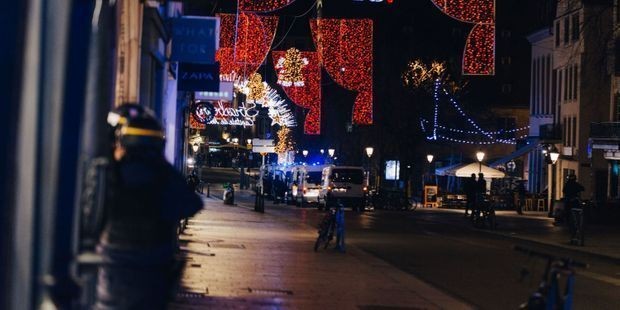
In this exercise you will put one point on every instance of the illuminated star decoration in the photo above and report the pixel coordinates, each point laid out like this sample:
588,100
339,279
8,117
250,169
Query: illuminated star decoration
345,50
479,52
244,43
477,135
289,68
417,73
307,96
270,99
263,5
256,87
285,141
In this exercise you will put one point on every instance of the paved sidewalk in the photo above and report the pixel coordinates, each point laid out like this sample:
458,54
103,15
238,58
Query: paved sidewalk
240,259
600,240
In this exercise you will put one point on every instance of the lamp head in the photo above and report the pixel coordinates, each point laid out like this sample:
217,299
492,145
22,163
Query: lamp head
480,156
429,158
331,152
195,147
554,155
369,151
305,153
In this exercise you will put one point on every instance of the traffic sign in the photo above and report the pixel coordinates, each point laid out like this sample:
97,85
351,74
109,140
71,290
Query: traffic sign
263,149
262,142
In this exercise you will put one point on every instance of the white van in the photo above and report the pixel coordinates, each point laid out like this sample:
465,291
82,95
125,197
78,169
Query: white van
307,184
344,184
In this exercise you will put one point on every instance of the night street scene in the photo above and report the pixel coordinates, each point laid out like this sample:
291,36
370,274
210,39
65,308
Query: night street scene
310,154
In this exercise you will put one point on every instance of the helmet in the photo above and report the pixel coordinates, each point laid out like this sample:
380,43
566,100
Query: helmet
122,113
140,131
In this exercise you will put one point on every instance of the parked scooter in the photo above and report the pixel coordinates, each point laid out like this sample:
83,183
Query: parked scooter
229,194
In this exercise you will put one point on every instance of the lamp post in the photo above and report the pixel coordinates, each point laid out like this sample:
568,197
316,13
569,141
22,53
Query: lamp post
554,155
429,159
369,151
480,157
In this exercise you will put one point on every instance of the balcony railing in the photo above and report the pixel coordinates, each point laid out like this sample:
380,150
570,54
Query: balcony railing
550,133
606,130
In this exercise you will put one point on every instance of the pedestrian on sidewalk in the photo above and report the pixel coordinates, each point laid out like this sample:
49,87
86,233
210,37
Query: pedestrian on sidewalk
469,188
521,191
572,190
340,227
146,199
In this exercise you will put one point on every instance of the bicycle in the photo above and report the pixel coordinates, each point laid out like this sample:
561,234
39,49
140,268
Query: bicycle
326,230
548,294
576,223
483,215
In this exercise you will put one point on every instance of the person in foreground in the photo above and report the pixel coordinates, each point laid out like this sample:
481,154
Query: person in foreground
145,201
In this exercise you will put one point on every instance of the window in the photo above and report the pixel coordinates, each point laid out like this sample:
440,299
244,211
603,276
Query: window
554,79
566,29
564,131
565,85
506,60
506,88
557,33
575,79
574,128
570,82
575,27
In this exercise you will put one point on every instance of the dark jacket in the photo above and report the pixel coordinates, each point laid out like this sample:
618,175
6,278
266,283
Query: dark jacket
146,203
572,189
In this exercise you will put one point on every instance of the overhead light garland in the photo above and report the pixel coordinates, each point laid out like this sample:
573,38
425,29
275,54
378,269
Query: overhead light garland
289,68
307,96
244,43
436,131
345,48
278,110
263,5
479,52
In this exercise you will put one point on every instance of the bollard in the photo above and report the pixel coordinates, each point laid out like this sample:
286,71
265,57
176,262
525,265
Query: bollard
259,201
208,189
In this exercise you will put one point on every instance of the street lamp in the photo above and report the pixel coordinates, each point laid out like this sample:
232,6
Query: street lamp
429,158
554,155
235,140
480,157
305,153
369,151
195,147
331,152
322,151
249,141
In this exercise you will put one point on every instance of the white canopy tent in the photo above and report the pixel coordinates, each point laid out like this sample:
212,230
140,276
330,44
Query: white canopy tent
465,170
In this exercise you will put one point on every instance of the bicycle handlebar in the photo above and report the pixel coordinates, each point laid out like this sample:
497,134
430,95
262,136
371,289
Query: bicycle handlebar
568,261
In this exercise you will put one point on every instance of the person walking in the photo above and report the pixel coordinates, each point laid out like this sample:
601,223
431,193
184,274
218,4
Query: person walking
469,188
571,191
146,199
521,194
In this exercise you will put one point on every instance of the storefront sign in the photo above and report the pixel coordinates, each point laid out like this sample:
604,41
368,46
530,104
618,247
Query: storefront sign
392,170
195,39
198,77
226,114
225,93
203,112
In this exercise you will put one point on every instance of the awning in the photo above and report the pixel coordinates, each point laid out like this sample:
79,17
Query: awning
465,170
532,144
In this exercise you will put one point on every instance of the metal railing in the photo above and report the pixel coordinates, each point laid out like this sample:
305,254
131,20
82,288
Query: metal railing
605,130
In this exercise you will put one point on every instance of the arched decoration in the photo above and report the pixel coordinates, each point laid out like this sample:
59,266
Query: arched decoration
307,96
263,5
243,53
345,49
479,53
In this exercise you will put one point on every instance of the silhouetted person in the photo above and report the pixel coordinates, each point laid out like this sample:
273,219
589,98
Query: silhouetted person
145,201
469,187
521,194
481,190
572,190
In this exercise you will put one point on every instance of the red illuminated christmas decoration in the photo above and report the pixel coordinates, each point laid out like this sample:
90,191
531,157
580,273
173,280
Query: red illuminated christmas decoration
307,96
263,5
254,35
479,53
345,50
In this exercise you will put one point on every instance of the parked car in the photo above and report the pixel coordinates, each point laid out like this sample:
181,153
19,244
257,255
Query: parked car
344,184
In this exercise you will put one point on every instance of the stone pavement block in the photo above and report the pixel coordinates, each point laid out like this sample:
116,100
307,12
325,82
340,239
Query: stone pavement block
263,261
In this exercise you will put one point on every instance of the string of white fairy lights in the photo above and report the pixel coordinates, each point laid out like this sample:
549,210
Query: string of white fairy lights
437,129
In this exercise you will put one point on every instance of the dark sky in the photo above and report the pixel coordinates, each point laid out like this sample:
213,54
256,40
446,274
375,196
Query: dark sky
405,30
